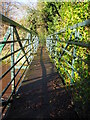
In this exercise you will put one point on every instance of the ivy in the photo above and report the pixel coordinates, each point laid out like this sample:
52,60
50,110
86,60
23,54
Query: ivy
69,14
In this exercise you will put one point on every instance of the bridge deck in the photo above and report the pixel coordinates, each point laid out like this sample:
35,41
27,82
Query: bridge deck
42,93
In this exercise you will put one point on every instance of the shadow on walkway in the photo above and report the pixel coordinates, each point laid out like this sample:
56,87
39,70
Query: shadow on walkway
44,87
42,93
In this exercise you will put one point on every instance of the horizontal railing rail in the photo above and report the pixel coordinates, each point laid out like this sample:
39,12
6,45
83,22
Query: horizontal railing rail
69,48
20,53
81,44
13,23
81,24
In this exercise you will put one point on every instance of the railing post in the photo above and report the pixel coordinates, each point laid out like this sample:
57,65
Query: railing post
37,43
34,44
72,73
52,46
50,43
56,45
29,42
47,42
31,48
12,60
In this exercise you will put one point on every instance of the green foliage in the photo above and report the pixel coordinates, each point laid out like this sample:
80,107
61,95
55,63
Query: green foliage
69,14
58,15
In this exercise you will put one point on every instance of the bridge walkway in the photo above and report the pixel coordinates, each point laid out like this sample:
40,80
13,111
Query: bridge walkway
42,93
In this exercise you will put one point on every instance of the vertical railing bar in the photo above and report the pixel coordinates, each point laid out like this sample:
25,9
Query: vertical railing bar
50,46
12,59
55,47
29,42
32,47
72,73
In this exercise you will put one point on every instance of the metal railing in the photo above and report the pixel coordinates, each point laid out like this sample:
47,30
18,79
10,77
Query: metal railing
69,48
20,55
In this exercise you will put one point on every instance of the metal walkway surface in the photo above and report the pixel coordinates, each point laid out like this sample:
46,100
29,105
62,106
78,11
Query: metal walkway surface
42,93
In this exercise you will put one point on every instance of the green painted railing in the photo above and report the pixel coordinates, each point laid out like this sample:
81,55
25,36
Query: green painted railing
70,50
20,54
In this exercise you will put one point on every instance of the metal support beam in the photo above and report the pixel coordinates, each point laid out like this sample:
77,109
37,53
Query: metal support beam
18,38
66,46
21,50
6,37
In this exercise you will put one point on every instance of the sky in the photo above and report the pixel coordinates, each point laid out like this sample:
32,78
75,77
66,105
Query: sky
19,12
26,1
31,3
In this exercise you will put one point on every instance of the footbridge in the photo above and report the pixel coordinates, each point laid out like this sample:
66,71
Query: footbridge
42,76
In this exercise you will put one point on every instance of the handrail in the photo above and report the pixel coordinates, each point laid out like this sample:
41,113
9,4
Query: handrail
81,24
10,22
26,48
64,53
82,44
